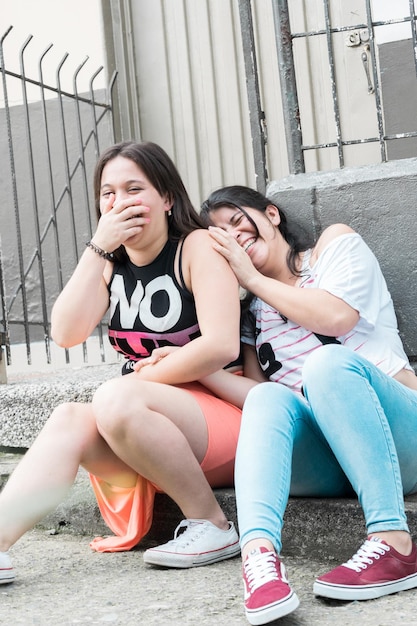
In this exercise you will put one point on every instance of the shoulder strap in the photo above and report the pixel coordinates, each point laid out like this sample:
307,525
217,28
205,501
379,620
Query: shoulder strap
180,273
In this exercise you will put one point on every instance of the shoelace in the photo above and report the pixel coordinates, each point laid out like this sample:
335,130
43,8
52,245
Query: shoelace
192,532
260,569
367,553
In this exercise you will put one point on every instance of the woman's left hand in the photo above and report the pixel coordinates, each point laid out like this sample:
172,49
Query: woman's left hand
157,355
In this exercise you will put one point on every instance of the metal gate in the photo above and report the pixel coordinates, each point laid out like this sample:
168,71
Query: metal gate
49,143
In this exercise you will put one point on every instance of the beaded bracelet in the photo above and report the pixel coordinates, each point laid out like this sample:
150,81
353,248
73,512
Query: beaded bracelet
105,255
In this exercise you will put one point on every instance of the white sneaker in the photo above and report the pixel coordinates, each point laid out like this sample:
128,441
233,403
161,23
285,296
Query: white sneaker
201,543
7,574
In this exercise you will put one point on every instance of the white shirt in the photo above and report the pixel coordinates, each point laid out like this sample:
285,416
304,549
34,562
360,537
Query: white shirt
348,269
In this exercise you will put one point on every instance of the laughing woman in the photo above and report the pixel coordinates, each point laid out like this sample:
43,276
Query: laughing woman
152,265
339,410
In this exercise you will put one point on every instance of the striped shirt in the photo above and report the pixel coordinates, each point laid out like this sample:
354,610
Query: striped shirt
348,269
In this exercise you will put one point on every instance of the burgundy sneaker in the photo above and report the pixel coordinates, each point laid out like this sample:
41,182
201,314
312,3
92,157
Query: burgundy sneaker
268,595
375,570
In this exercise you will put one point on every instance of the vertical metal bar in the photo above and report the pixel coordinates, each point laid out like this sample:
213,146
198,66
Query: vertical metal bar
93,114
14,190
4,342
68,189
377,85
111,98
35,204
81,163
50,174
66,157
256,115
58,258
18,231
336,110
4,326
3,369
97,153
81,142
413,30
291,109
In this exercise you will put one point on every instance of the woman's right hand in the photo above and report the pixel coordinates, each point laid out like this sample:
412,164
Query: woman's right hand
119,221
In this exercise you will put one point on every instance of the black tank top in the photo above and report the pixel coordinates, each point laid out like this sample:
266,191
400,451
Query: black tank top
149,308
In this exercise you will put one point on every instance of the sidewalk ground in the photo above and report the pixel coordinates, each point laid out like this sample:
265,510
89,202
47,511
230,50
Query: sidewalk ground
61,582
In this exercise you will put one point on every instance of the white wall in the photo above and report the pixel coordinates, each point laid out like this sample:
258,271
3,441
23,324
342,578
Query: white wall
72,26
384,10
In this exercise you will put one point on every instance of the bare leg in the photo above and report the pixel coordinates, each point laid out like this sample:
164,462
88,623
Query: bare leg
44,476
400,540
256,543
160,432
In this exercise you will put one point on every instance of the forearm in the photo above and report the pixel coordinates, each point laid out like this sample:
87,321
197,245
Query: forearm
229,386
82,302
314,309
193,361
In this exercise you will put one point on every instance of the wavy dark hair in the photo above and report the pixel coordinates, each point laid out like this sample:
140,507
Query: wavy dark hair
238,197
163,175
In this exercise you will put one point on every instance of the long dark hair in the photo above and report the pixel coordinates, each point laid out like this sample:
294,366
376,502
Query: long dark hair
163,175
238,196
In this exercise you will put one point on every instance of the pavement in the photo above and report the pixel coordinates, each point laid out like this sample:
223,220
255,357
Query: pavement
61,581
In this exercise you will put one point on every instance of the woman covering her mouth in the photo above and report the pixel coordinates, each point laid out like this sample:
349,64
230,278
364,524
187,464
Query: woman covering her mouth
173,306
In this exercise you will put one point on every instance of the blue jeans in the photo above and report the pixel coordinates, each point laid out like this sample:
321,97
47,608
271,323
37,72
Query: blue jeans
355,431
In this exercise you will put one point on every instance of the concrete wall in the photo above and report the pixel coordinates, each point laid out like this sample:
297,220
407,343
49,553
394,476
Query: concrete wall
399,95
377,201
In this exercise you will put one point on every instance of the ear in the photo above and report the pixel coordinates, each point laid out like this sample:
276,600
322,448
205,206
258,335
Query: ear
273,215
168,203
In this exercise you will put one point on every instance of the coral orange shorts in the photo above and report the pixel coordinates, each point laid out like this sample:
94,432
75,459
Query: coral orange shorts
128,511
223,424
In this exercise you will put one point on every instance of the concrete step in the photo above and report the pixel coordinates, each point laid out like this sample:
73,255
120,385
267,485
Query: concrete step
28,399
320,529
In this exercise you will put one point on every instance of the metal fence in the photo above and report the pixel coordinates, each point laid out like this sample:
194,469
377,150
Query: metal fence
49,143
361,35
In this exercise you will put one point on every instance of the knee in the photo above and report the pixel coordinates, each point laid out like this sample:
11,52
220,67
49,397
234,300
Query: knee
261,394
326,369
106,405
266,402
71,422
268,392
65,417
323,362
112,408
